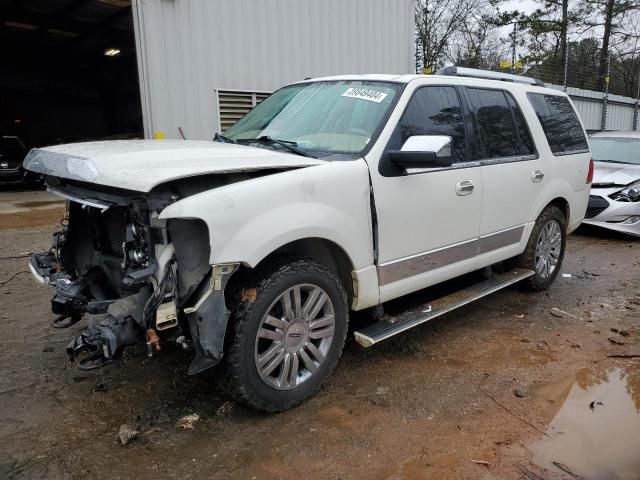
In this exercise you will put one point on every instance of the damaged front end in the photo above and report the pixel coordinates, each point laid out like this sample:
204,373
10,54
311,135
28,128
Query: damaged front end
137,278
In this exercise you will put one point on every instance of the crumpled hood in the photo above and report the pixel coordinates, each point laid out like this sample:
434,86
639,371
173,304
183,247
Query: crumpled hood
615,173
141,165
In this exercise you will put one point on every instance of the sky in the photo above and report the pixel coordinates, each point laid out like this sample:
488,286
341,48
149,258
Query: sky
524,6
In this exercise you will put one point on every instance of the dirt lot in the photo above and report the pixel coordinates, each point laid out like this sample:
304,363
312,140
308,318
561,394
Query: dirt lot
437,402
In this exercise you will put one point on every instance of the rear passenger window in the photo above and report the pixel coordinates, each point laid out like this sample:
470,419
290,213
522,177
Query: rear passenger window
496,131
560,123
433,111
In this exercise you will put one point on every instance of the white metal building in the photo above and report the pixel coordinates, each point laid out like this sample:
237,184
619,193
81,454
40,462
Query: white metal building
102,69
204,63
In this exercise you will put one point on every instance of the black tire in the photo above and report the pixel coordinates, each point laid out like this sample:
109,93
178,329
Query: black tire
527,259
241,377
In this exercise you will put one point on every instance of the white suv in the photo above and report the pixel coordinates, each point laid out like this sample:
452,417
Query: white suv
332,195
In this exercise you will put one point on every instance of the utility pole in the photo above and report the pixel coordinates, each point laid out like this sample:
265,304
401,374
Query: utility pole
417,54
513,47
566,67
605,98
637,106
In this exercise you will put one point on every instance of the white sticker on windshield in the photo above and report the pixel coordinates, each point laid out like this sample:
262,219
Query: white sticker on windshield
364,94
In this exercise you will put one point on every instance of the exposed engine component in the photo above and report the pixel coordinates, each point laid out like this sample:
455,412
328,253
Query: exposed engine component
128,319
99,342
101,257
166,316
134,248
115,260
153,342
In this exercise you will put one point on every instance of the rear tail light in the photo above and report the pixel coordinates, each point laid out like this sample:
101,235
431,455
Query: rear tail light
590,173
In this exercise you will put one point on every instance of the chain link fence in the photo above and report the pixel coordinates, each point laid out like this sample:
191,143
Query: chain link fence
606,93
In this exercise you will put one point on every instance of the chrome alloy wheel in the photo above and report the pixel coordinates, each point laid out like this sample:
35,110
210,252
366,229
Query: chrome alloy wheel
548,248
294,336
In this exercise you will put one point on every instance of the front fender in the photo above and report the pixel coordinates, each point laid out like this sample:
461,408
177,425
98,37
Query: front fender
249,220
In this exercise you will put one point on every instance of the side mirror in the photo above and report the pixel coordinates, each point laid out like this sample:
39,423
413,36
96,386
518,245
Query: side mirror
424,151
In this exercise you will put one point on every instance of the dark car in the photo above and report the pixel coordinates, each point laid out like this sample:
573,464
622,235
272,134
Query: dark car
12,153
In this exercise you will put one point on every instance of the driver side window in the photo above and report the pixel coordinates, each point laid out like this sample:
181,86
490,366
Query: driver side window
433,111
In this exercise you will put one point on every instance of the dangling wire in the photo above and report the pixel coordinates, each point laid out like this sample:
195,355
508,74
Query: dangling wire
167,284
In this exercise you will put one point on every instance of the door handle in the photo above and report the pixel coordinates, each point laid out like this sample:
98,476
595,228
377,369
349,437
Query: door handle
465,187
537,176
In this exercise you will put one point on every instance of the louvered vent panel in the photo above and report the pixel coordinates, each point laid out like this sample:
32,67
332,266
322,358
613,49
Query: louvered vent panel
234,104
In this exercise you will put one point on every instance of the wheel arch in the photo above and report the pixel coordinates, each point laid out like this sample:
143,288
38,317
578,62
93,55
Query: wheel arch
563,204
560,202
321,250
527,259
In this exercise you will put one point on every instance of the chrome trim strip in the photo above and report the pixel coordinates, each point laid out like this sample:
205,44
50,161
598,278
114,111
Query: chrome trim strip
90,203
424,262
571,152
498,161
476,163
501,239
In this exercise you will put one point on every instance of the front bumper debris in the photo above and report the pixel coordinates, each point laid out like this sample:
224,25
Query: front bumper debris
36,273
46,269
69,301
145,281
97,344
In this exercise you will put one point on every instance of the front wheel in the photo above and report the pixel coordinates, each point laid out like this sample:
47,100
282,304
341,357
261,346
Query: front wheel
545,249
287,337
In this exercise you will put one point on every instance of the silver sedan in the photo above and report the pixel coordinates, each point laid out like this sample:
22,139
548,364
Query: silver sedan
615,192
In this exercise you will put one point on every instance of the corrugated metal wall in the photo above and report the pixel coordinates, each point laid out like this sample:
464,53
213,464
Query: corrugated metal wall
189,48
620,116
589,104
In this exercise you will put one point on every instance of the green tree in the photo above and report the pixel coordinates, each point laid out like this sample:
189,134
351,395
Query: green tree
612,18
478,45
545,33
437,23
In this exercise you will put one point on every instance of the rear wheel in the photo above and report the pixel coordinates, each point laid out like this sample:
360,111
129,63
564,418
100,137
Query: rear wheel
287,337
545,249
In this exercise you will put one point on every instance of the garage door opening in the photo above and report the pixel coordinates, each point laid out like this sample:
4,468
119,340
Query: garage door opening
68,71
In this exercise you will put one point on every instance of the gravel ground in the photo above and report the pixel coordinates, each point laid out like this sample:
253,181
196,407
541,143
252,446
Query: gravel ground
490,391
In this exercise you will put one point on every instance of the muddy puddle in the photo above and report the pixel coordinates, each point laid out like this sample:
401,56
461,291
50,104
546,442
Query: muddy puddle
594,425
40,203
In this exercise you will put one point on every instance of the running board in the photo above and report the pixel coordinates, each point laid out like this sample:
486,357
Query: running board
382,329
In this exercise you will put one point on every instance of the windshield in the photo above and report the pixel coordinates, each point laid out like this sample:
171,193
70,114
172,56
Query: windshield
321,118
616,149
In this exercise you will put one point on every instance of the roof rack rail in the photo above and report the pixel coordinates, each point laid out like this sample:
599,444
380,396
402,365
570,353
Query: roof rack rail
477,73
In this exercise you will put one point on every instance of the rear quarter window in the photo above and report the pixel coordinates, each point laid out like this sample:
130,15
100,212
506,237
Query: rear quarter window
560,123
